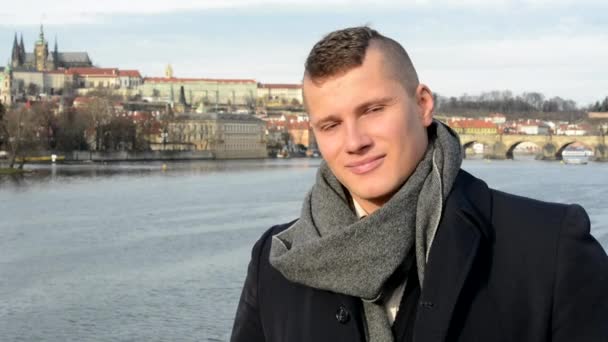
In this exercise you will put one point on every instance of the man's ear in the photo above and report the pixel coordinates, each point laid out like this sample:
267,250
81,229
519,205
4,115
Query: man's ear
425,103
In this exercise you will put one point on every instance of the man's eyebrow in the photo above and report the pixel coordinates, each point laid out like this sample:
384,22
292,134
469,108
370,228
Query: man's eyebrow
365,105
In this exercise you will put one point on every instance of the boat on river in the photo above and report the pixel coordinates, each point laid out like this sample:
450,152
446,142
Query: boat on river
578,156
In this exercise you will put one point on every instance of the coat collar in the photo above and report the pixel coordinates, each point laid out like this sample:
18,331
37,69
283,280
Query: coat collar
464,225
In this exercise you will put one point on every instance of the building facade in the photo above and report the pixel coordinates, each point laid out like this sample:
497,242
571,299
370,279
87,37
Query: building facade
473,126
285,94
210,92
7,91
227,136
46,82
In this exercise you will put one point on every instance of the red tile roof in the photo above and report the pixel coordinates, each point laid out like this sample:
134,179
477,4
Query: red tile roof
129,73
178,80
103,72
58,72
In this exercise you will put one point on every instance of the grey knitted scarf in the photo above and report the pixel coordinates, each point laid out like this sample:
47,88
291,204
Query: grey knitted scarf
329,248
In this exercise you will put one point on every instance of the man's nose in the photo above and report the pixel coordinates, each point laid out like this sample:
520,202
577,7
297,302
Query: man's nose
357,139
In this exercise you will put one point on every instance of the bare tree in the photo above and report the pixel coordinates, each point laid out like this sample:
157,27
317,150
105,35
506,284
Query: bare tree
70,134
3,131
534,99
44,114
98,112
23,130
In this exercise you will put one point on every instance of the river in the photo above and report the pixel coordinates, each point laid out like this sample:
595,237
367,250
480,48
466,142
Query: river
138,252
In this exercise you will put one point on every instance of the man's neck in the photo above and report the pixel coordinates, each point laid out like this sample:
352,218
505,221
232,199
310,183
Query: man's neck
369,206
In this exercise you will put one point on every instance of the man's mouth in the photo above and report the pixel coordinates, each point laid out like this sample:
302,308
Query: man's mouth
365,165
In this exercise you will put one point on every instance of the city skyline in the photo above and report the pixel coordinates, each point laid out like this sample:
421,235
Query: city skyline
472,46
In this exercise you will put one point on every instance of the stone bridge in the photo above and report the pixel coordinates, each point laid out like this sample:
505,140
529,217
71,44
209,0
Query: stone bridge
501,146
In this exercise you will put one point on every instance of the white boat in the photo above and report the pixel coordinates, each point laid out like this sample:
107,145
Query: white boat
576,156
576,153
575,161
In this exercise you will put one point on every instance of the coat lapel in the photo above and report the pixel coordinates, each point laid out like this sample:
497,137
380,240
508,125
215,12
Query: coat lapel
450,261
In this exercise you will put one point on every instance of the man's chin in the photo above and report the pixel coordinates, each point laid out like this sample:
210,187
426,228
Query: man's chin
377,196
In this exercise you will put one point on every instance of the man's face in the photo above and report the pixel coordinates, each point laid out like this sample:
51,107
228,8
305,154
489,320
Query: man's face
371,132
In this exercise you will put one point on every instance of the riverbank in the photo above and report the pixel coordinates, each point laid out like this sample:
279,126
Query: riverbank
12,171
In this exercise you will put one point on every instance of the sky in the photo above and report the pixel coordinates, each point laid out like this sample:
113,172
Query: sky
556,47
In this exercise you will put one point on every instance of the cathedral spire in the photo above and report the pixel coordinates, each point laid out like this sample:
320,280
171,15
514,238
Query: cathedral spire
15,45
21,50
15,56
56,55
41,33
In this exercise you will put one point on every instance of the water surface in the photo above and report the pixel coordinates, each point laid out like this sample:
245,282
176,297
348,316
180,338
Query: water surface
129,252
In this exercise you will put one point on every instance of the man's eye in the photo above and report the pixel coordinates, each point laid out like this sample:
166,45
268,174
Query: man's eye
375,109
328,126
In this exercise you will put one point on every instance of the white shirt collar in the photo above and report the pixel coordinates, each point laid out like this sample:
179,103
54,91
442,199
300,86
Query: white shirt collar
361,213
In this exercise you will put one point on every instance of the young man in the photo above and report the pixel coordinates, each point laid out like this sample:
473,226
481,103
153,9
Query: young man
396,243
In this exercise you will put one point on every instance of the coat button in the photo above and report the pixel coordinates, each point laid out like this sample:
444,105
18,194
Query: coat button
427,305
342,315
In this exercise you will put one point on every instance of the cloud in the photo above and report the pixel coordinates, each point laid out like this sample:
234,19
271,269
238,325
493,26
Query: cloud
69,12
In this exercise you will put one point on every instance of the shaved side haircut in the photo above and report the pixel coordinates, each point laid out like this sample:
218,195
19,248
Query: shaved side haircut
343,50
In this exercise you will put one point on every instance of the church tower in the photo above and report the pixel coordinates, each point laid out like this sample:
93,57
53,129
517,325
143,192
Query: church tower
169,71
6,86
21,51
15,55
41,52
55,64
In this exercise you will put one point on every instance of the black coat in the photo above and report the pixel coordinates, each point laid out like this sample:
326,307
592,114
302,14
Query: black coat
501,268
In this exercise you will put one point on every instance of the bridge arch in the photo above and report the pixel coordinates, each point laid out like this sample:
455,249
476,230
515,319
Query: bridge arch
487,145
511,149
558,154
552,145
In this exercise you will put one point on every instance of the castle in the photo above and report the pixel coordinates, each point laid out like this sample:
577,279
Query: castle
44,60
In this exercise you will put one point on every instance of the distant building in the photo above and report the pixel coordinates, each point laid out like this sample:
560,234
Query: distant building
211,92
130,78
572,130
47,82
597,115
6,86
497,118
473,126
41,59
227,136
300,133
533,127
96,77
285,94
